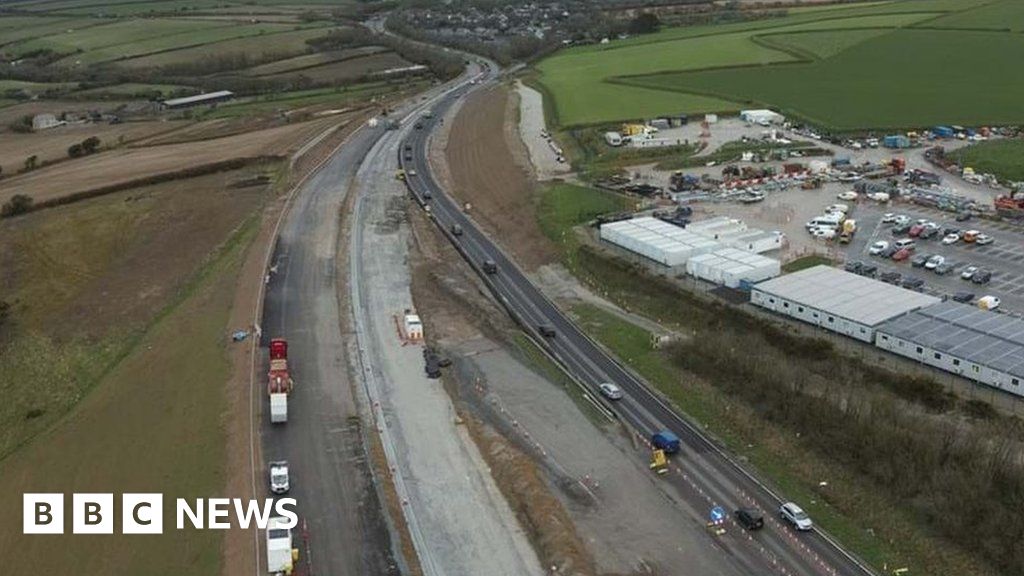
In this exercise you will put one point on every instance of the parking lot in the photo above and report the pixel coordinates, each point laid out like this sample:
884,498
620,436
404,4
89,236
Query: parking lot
1004,258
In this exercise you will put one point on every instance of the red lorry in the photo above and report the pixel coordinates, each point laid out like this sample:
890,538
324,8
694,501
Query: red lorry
279,381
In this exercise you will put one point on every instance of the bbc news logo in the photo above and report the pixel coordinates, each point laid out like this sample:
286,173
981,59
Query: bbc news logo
144,513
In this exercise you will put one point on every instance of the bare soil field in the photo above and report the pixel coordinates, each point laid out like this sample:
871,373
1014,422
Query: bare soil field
349,69
310,60
126,165
485,160
52,144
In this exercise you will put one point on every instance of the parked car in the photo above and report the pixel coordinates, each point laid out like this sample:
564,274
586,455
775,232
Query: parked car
981,277
984,240
968,273
610,391
915,230
929,231
949,239
901,219
750,519
888,252
796,516
971,235
944,268
901,254
899,229
844,208
854,266
963,297
920,260
868,270
905,243
878,247
912,283
891,277
824,233
950,230
963,216
934,262
888,218
848,195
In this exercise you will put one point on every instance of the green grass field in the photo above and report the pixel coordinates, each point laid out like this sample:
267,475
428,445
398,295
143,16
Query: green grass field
899,80
1004,158
117,33
862,66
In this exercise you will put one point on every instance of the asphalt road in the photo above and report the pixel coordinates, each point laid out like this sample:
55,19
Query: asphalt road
341,521
711,477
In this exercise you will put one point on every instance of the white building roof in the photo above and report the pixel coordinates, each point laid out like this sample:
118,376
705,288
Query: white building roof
198,98
846,295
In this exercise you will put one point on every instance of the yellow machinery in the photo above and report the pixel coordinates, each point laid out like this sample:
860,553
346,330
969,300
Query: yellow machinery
659,462
400,175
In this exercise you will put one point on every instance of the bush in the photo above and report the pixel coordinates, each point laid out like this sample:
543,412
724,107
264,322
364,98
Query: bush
18,204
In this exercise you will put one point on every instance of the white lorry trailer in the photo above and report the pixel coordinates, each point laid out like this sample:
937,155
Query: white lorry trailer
278,408
280,554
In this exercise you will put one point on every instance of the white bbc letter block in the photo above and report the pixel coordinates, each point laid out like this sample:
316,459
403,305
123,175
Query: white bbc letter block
92,514
42,513
142,513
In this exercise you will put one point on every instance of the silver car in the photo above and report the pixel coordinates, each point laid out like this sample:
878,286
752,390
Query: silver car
610,391
796,516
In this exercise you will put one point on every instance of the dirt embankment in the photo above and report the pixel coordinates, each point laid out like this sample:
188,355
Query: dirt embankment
460,310
486,160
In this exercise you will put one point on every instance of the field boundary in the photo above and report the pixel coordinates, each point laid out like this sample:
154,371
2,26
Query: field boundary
160,178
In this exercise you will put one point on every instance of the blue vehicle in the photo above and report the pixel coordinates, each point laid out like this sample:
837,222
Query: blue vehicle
665,441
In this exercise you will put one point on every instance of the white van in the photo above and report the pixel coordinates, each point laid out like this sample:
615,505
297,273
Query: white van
829,221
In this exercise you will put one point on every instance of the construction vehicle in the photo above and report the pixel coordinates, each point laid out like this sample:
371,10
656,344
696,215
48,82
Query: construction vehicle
279,381
281,555
679,182
849,229
1011,205
659,462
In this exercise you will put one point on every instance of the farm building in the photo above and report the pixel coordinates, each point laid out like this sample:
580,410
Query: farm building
199,99
977,344
732,267
762,117
837,300
660,241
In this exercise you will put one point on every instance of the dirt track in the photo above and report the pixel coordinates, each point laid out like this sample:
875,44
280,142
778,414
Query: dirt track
485,158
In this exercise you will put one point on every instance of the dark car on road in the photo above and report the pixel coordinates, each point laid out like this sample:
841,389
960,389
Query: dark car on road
981,277
963,297
750,519
920,260
546,330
